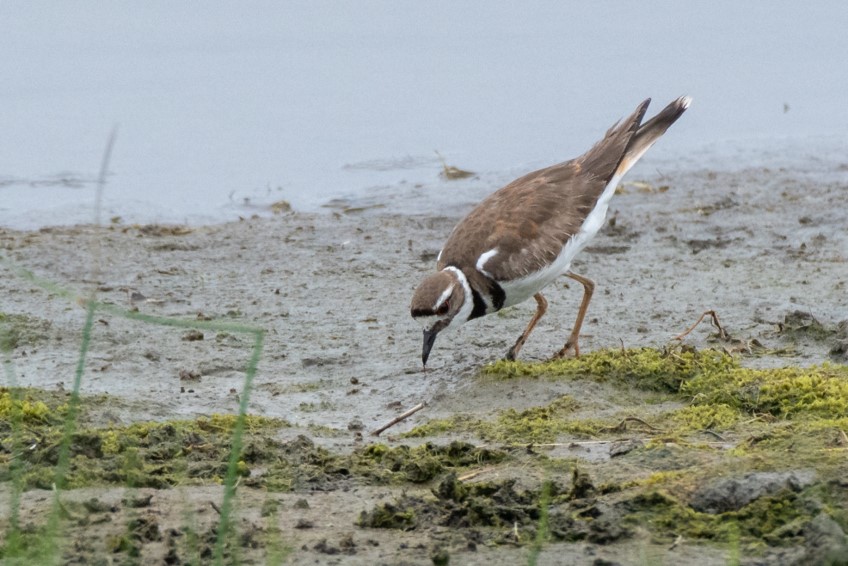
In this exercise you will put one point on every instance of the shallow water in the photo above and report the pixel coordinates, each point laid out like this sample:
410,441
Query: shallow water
226,110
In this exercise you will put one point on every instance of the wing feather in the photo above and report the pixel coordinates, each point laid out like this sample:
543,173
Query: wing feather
532,218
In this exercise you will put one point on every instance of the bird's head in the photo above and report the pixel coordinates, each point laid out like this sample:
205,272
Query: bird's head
439,302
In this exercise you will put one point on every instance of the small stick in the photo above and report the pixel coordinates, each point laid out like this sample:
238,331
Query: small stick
712,314
758,417
713,433
676,542
399,418
623,425
578,444
474,474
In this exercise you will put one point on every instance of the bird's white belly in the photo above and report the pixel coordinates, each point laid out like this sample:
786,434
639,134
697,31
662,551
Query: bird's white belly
519,290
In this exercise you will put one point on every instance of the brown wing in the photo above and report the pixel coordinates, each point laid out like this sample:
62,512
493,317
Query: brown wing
530,219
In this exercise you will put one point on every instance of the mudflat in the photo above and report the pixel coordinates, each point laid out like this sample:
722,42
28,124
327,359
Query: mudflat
726,446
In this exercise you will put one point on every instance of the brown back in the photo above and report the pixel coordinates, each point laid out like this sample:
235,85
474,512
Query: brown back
530,219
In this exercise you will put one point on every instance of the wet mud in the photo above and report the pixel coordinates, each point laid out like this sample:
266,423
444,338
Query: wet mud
727,446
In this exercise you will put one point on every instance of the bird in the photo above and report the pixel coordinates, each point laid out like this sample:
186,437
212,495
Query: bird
524,236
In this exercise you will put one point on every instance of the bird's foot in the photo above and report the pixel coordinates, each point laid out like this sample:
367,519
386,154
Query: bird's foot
512,355
570,346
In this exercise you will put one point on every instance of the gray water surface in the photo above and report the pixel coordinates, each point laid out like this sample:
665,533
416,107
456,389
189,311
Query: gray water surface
224,108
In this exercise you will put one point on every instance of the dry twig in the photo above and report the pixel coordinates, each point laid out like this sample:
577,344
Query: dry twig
676,542
713,318
399,418
623,425
713,434
474,474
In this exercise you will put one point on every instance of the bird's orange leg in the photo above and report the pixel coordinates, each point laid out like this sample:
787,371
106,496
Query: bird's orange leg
588,289
542,306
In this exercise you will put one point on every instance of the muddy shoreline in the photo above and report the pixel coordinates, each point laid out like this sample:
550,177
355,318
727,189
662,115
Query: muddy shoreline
766,249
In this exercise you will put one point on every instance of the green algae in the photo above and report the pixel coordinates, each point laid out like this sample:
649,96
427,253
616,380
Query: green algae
500,512
763,521
23,407
534,425
301,465
537,424
789,392
316,407
459,505
18,330
644,368
718,392
150,454
720,416
732,419
196,452
382,464
662,371
774,419
389,516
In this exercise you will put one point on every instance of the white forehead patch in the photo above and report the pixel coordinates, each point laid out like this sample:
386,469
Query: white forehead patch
444,297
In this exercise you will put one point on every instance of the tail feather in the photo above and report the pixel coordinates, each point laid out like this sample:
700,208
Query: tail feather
605,157
649,132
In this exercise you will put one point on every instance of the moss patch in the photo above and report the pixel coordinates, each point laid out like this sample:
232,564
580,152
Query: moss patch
18,330
138,455
533,425
420,464
718,395
719,392
644,368
24,407
788,419
499,504
775,520
196,452
791,392
775,420
719,416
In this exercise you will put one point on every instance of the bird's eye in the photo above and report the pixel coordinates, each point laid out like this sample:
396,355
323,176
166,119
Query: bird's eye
443,310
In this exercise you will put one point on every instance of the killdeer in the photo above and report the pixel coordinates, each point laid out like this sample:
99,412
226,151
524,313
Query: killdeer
522,237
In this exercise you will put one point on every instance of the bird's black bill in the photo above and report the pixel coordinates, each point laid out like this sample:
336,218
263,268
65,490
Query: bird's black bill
429,339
